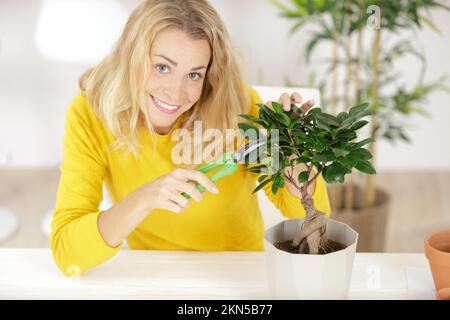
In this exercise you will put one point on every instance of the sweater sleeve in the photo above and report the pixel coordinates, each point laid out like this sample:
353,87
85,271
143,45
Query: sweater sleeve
75,240
289,205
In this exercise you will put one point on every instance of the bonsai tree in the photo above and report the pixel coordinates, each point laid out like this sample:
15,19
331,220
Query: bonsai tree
324,143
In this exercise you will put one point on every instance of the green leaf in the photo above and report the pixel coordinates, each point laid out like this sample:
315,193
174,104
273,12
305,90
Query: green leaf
298,25
334,173
320,147
286,11
279,181
283,139
248,130
340,152
251,118
359,124
274,189
347,134
277,107
263,177
302,160
303,176
404,137
363,143
283,118
264,117
342,116
431,24
269,111
314,110
348,163
298,133
366,167
323,157
258,169
361,154
357,109
347,123
261,185
328,119
363,114
313,43
322,126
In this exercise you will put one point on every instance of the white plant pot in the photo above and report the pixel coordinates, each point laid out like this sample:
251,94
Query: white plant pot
306,276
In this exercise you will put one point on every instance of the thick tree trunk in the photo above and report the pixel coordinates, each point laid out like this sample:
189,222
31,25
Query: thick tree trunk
349,196
312,235
369,196
348,202
335,195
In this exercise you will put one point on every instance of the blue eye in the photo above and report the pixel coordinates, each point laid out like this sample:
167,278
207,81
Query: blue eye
161,68
194,76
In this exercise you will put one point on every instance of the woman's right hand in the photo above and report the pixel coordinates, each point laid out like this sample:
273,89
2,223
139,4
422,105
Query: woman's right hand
165,191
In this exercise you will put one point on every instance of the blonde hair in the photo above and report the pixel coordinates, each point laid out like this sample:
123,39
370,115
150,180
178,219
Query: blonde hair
116,86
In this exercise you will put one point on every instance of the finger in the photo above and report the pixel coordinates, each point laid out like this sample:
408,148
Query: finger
179,199
285,101
268,104
296,98
307,105
189,188
172,206
200,178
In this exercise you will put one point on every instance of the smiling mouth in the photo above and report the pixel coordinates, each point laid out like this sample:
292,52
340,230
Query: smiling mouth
163,106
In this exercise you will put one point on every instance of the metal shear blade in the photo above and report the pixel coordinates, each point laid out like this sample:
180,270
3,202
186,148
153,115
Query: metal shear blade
248,148
229,162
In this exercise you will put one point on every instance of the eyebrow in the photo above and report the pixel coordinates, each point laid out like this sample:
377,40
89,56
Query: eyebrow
176,64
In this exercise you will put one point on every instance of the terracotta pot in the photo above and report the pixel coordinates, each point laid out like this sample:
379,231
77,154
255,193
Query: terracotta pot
443,294
437,251
370,223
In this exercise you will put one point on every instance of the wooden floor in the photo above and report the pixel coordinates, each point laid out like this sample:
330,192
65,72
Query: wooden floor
420,205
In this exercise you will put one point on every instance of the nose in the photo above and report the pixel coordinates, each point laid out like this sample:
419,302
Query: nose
175,92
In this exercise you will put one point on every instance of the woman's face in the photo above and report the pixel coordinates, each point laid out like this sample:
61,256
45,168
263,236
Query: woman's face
178,66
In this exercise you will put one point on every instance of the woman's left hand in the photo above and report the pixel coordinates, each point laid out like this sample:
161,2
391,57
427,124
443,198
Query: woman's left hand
295,98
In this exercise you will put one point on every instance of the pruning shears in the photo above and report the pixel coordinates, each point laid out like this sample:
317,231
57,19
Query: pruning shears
229,161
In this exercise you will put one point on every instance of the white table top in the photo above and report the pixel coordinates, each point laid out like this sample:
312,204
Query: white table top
132,274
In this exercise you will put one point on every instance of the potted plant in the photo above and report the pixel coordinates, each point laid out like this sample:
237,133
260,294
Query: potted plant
437,251
363,58
310,257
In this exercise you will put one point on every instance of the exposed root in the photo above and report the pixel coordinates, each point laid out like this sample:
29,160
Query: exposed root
313,241
311,237
303,248
309,227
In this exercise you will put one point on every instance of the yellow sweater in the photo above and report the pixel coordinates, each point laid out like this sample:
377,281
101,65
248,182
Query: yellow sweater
228,221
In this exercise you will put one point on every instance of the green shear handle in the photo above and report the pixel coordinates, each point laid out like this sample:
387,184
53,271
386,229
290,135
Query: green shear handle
229,161
229,167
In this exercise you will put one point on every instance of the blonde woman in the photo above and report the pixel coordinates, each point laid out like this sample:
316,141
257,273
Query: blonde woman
172,66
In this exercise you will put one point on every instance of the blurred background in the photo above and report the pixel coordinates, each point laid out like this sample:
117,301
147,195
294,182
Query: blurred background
341,49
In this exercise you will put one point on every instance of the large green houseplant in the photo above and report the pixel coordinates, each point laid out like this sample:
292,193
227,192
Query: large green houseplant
360,66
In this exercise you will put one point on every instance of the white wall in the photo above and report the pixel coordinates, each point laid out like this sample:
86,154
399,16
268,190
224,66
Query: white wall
35,91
